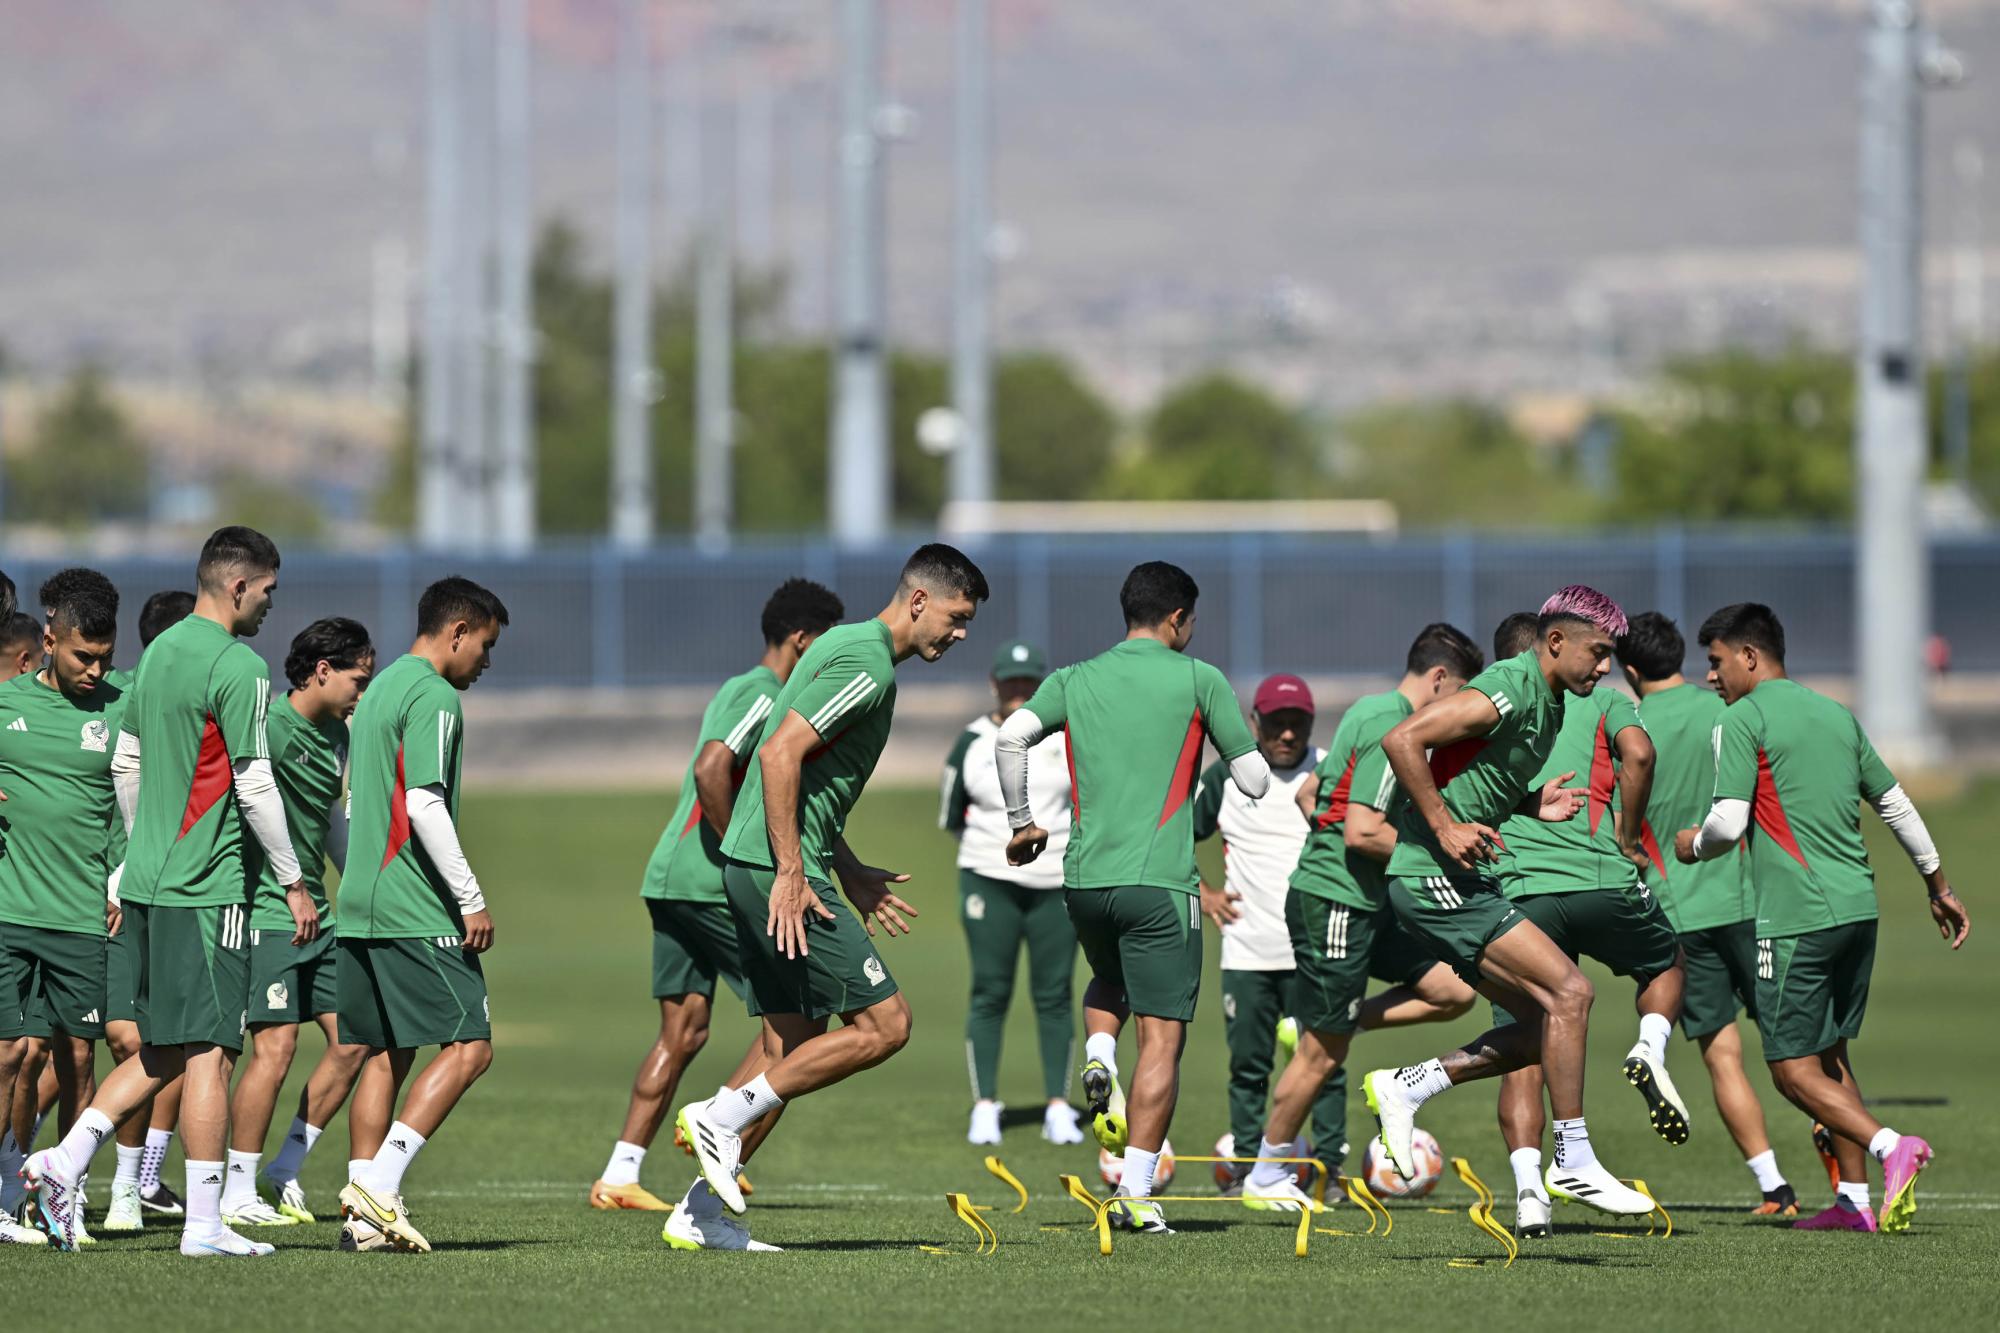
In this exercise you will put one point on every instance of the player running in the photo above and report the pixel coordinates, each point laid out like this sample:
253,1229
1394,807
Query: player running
805,958
193,774
1135,717
413,921
1798,764
694,936
1340,927
1003,906
328,666
1709,903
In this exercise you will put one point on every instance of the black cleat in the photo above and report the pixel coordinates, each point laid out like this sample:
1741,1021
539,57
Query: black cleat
162,1200
1780,1202
1663,1103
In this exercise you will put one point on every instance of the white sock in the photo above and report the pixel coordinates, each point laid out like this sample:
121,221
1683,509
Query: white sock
1883,1143
299,1141
1527,1164
623,1168
399,1148
1423,1082
1573,1151
1102,1046
128,1166
1765,1167
1268,1172
93,1129
157,1143
356,1168
724,1090
1654,1029
204,1200
753,1099
1140,1165
239,1185
1854,1196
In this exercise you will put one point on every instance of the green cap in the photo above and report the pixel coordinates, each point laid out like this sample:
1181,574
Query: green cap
1019,660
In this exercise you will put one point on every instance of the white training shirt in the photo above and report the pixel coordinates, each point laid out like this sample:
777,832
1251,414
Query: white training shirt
973,785
1261,842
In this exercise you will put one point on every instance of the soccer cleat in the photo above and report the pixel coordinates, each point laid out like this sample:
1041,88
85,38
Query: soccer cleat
288,1197
1597,1188
1283,1197
985,1127
13,1233
51,1193
1822,1139
1780,1202
385,1213
1899,1182
717,1151
83,1236
162,1200
124,1213
256,1213
699,1223
1837,1218
1138,1215
225,1244
1060,1125
1396,1116
1104,1104
358,1236
681,1141
1230,1177
1531,1216
635,1197
1663,1104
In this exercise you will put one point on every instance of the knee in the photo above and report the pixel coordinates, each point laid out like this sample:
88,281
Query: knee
888,1032
1573,995
274,1047
11,1055
474,1059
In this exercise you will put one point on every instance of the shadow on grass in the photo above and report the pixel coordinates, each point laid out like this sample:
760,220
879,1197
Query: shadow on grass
483,1246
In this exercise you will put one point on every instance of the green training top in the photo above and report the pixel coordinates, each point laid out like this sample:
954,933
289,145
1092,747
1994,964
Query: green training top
1581,852
1354,772
197,707
1482,778
309,761
55,767
686,865
407,733
1135,717
1685,723
121,680
845,687
1805,766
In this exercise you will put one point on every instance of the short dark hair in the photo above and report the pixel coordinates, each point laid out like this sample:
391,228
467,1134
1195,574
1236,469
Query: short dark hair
1751,624
945,570
1442,645
457,598
341,643
82,600
19,630
1516,634
162,611
65,584
1653,647
1155,590
6,595
234,548
800,605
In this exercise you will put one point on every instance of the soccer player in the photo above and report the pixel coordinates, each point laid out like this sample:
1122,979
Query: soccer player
1799,765
694,935
413,921
1339,925
1709,903
20,645
1004,906
805,958
328,666
1487,743
1136,717
193,773
1261,840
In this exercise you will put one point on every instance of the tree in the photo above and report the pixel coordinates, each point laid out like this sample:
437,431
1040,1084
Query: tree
1052,434
1456,463
84,464
1219,438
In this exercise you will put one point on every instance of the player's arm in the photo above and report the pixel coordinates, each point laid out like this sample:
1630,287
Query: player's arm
715,770
780,759
1371,788
953,793
1738,737
1466,715
868,888
1045,712
1636,762
430,821
125,777
336,834
1223,717
1217,904
242,693
1886,795
1307,796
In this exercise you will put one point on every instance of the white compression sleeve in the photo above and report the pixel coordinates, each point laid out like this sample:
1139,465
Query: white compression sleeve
1018,735
1251,774
1903,820
430,820
1728,820
264,811
125,777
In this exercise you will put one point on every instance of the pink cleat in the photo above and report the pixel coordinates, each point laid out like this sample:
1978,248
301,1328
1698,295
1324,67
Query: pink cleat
52,1189
1837,1218
1899,1181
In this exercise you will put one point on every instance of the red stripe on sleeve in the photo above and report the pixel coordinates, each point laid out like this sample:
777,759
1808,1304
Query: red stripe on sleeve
1182,785
211,777
1769,811
1603,778
1336,802
399,814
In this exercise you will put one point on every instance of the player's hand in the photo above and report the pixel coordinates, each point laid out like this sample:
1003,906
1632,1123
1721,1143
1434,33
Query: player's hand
478,932
1954,922
1469,846
1559,802
867,887
1026,844
305,914
1684,846
1636,854
791,900
1219,905
114,917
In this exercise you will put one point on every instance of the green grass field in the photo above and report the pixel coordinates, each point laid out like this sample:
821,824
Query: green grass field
853,1182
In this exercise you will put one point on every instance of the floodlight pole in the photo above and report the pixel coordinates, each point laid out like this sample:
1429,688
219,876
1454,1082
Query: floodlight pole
858,489
972,466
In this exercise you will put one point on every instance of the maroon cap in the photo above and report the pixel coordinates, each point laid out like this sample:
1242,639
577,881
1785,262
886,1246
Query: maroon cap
1282,691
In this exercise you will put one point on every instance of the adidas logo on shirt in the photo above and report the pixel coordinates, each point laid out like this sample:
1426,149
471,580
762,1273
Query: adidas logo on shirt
18,724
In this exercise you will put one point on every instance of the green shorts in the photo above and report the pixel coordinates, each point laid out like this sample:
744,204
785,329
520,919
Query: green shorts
58,981
1455,916
1336,948
121,975
693,944
194,980
290,983
1144,941
1624,929
1721,977
398,995
840,972
1812,990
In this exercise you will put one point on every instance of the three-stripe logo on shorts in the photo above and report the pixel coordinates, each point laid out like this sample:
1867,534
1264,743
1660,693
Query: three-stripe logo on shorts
1336,932
1443,893
1765,967
231,932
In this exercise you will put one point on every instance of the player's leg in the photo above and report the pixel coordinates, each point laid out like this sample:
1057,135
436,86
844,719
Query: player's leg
12,1046
1720,967
1105,1010
991,913
25,1093
1051,979
684,1026
1159,961
1628,931
126,1213
163,1122
326,1089
1252,1004
1424,989
272,1047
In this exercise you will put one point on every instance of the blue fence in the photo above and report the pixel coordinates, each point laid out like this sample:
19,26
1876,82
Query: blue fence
1316,605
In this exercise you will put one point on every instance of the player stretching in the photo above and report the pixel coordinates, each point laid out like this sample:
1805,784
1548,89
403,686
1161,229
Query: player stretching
694,936
1487,743
1135,717
413,921
1798,764
1341,928
1710,902
328,667
201,779
806,958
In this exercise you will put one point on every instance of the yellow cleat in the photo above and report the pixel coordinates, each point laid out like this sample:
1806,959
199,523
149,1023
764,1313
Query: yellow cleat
386,1214
638,1198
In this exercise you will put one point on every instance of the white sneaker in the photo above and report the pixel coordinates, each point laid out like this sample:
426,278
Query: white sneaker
985,1127
1396,1114
125,1214
1597,1188
1664,1106
1139,1215
698,1222
226,1245
13,1233
1531,1216
288,1197
254,1212
1283,1197
1060,1124
717,1151
52,1191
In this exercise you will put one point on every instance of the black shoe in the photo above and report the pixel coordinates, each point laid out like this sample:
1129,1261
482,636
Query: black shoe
1780,1202
162,1200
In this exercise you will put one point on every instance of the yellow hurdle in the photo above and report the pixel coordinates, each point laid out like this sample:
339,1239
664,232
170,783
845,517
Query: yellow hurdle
999,1168
1481,1212
967,1212
1301,1240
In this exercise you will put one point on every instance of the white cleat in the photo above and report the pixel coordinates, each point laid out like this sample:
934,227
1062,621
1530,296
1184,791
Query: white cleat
1396,1114
1664,1106
125,1214
698,1222
1283,1197
1060,1124
13,1233
985,1128
718,1152
1142,1216
288,1197
256,1213
1531,1216
1597,1188
384,1212
358,1236
224,1245
51,1191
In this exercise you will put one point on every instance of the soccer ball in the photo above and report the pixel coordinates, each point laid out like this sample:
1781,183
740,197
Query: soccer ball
1385,1182
1112,1166
1230,1174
